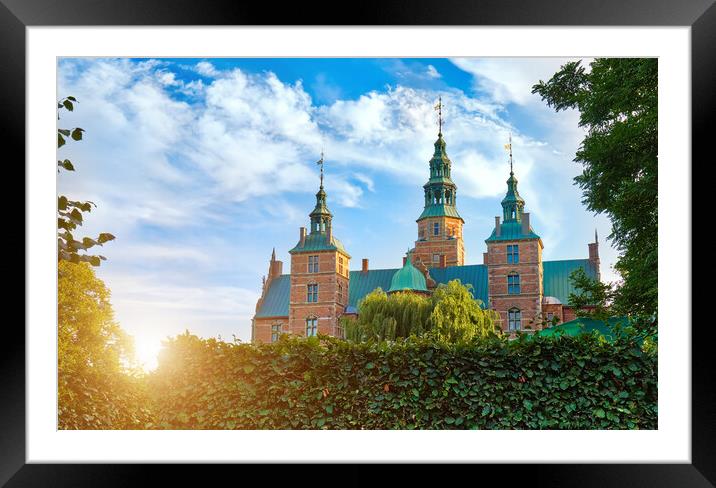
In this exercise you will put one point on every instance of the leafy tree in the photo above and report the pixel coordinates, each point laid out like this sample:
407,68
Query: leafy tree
618,104
592,298
69,212
451,314
97,386
387,317
457,316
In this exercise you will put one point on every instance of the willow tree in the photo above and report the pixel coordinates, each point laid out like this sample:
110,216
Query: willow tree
457,316
387,317
451,314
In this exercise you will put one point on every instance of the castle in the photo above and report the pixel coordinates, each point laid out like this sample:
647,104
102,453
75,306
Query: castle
513,279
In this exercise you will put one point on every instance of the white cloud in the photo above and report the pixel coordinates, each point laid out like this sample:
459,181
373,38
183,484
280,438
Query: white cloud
509,80
233,154
431,72
205,68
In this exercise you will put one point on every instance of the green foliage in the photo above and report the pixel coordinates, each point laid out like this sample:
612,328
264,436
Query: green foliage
581,382
593,298
618,104
457,316
387,317
450,314
96,387
69,212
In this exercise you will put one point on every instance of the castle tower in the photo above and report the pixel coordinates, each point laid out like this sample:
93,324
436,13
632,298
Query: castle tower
440,240
319,275
514,264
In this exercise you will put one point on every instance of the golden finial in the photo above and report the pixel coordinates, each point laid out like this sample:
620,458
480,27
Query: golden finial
320,163
508,146
439,108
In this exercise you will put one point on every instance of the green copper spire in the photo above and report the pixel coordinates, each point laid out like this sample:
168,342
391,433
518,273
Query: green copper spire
440,190
513,204
408,278
320,216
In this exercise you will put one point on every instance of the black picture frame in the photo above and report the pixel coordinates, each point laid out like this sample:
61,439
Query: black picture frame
16,15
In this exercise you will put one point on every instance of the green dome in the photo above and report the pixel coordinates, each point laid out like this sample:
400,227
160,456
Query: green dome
408,278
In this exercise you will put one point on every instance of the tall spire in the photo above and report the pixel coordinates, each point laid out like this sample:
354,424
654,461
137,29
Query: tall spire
320,216
513,203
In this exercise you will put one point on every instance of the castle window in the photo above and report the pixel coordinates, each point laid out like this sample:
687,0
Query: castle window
340,264
276,332
513,254
311,327
513,284
340,293
514,319
313,264
436,258
436,228
312,293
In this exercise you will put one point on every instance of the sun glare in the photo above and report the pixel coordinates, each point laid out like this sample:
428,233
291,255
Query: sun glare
146,350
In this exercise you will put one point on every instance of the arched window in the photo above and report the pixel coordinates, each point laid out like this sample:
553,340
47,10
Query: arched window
514,319
311,326
513,284
276,331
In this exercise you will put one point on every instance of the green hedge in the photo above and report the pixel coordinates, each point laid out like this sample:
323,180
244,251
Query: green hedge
578,382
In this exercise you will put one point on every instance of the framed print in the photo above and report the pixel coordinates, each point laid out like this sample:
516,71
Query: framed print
248,265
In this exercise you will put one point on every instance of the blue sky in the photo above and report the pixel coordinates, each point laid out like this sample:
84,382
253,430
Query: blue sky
200,167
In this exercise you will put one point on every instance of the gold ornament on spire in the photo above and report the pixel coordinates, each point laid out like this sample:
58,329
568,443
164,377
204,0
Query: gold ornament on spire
320,163
508,147
439,108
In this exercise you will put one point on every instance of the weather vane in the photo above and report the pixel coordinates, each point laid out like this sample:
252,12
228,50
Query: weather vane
508,146
320,163
439,108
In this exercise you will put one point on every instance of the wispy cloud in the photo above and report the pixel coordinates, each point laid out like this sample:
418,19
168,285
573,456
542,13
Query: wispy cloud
191,166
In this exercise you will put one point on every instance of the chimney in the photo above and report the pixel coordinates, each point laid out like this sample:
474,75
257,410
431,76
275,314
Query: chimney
497,226
594,255
328,234
364,268
276,269
302,237
443,261
525,223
